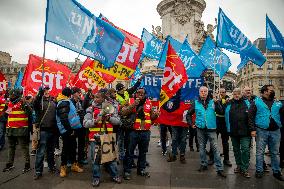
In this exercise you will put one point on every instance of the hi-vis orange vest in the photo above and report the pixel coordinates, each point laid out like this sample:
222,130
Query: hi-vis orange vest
142,125
99,128
17,118
2,103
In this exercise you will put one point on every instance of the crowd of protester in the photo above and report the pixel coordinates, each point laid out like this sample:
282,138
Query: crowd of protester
79,121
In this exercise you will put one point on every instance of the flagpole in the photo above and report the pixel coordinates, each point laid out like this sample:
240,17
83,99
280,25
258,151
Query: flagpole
266,74
214,88
44,41
220,76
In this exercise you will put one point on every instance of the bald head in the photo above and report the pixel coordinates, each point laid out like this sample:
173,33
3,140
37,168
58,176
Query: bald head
203,92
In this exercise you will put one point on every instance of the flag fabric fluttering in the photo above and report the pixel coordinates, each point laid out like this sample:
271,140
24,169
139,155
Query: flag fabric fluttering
175,44
72,26
174,76
18,83
274,38
128,57
231,38
193,64
214,58
55,76
153,46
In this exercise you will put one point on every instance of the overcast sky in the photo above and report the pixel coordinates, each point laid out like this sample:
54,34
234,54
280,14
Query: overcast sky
22,22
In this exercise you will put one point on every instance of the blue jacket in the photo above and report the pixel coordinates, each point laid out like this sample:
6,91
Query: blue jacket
263,114
73,120
205,118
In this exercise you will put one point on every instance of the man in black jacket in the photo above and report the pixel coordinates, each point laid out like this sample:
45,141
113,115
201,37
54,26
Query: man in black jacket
236,116
45,110
67,121
265,124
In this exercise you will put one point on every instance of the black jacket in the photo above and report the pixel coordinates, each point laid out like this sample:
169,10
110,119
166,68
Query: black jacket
62,111
238,118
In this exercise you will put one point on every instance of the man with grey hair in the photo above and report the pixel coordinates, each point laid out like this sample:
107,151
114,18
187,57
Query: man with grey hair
236,116
247,94
205,110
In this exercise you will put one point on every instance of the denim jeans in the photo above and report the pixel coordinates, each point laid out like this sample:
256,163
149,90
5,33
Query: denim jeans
241,147
2,134
111,166
120,143
203,136
179,139
272,139
164,131
192,135
46,143
142,139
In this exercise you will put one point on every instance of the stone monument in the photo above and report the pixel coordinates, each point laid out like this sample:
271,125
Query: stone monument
183,17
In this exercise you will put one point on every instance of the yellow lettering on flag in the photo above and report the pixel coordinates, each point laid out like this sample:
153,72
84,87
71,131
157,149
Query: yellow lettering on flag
163,98
118,70
90,73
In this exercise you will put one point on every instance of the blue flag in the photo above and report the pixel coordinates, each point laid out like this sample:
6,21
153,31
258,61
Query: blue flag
192,63
274,38
18,83
232,39
189,91
214,58
175,44
244,61
72,26
136,75
153,46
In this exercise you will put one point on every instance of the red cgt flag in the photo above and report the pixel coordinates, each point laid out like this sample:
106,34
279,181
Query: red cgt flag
87,79
3,83
174,76
55,76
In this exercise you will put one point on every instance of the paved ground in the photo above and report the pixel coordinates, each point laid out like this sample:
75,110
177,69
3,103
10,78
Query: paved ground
164,175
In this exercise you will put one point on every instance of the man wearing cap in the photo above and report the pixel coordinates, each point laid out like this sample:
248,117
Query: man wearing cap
140,108
122,96
80,133
45,111
67,122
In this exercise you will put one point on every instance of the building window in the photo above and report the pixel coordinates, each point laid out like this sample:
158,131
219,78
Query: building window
281,93
279,67
281,82
270,82
269,66
260,83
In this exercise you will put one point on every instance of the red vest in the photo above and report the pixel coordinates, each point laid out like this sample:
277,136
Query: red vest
2,103
138,124
17,118
98,129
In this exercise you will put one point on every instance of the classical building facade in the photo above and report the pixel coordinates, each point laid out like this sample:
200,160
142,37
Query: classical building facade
271,72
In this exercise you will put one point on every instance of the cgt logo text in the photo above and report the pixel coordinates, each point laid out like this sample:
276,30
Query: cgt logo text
49,79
